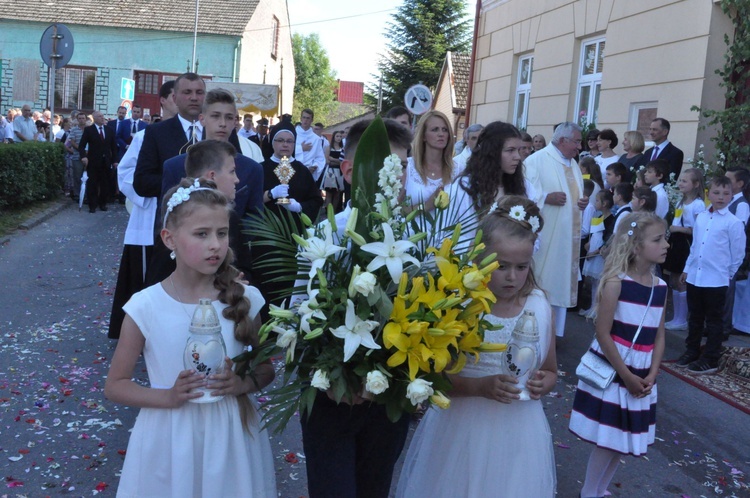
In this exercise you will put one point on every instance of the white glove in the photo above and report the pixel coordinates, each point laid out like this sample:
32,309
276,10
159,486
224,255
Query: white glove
293,206
280,191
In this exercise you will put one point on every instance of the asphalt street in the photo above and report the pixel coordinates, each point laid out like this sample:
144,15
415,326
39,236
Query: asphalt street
59,436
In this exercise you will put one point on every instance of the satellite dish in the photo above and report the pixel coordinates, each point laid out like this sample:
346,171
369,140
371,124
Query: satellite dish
56,46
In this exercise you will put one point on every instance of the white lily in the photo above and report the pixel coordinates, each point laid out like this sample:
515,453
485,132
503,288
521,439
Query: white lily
355,332
309,309
318,250
287,339
390,253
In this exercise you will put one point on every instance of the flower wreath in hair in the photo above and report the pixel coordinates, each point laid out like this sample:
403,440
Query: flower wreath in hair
182,195
518,214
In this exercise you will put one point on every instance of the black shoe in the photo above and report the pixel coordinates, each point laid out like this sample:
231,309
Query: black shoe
703,366
686,359
104,208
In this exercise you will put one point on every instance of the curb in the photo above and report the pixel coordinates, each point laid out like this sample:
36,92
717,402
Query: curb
38,219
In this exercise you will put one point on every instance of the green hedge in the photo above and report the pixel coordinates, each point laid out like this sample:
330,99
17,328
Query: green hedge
30,172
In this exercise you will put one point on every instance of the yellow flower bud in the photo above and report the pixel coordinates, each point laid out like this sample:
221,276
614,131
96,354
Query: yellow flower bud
441,400
442,200
472,279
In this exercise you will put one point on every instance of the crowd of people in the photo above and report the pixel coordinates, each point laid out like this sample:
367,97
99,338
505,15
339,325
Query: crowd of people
590,219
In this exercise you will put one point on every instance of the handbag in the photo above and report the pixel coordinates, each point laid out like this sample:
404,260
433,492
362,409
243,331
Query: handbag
597,371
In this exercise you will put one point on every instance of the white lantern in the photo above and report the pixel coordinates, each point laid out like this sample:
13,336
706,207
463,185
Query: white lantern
205,350
522,357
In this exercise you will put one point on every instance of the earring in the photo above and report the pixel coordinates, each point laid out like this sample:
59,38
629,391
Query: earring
172,255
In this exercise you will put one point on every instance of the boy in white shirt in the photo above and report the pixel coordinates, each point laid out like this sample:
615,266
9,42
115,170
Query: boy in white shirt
716,254
738,206
655,176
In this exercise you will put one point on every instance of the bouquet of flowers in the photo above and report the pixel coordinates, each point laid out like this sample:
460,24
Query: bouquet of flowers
380,314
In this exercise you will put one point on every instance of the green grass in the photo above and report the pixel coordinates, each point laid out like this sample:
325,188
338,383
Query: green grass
11,218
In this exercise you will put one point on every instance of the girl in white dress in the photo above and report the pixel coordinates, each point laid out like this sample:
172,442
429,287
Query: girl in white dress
431,166
489,443
178,448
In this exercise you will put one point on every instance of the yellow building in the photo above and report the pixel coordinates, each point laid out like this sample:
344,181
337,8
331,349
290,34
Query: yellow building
616,63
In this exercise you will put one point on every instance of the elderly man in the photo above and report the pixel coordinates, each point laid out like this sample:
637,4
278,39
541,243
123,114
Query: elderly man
24,125
471,134
558,182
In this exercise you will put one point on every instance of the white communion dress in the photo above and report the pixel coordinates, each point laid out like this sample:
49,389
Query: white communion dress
480,447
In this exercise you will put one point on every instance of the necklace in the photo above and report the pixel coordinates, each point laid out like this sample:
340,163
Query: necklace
179,298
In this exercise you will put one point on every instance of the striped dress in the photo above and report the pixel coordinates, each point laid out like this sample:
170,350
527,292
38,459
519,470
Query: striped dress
612,418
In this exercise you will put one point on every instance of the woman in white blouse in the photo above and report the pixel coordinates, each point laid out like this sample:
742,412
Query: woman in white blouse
431,166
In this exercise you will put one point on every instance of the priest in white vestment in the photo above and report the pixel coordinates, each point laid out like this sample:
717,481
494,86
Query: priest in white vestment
558,184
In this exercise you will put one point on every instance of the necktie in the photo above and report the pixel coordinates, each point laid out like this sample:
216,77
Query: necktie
135,127
190,133
655,153
101,133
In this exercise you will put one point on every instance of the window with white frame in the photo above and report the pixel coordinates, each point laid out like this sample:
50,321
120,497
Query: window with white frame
590,81
523,91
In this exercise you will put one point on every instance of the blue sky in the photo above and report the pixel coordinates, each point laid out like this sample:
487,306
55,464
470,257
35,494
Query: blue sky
353,43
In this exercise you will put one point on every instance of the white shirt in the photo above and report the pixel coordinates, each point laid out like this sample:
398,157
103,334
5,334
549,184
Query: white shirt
684,215
462,158
140,230
743,208
718,249
313,157
186,126
246,133
662,201
603,163
661,146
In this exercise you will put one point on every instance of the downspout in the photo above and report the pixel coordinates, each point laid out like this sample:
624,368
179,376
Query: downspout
472,63
235,68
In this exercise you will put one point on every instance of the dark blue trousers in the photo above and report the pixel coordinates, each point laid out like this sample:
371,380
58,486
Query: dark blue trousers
351,451
706,308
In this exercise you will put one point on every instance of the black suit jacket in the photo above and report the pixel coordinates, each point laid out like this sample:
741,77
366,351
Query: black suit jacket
161,141
672,155
100,153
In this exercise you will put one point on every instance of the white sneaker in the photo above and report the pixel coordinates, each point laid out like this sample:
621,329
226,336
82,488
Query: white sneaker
671,325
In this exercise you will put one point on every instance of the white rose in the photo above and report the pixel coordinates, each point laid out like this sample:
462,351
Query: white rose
419,390
320,380
376,382
364,283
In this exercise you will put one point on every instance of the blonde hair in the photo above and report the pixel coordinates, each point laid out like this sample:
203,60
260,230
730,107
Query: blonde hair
637,144
498,224
629,236
697,176
419,146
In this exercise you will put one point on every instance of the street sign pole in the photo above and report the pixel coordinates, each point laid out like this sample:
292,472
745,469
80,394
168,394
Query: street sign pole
56,49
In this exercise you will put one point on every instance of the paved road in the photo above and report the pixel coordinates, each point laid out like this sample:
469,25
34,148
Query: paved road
60,436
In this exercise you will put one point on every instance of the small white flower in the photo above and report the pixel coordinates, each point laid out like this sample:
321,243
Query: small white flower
419,390
355,332
517,213
364,283
630,233
308,310
319,250
376,382
534,222
287,337
320,380
390,253
633,224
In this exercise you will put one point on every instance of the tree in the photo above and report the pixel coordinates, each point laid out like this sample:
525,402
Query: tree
316,82
421,33
733,128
